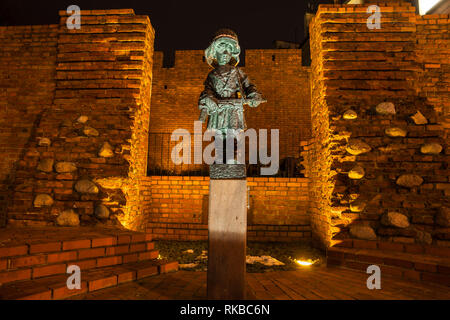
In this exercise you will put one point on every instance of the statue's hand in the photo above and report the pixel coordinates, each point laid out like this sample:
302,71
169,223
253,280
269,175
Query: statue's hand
207,106
255,99
254,103
203,114
212,103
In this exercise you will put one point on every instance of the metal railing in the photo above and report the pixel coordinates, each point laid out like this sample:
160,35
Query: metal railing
160,162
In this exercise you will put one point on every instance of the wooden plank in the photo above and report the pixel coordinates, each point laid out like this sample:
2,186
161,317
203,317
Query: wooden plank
304,290
227,227
353,286
258,289
287,286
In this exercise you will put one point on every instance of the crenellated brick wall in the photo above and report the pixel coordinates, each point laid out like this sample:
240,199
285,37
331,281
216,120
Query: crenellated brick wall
177,208
370,177
278,75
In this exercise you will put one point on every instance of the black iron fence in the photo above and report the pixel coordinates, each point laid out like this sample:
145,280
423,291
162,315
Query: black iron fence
161,147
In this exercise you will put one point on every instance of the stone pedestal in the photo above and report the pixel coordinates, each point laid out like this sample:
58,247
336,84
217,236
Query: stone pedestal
227,225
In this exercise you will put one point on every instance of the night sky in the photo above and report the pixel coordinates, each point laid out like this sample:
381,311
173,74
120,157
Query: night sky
183,24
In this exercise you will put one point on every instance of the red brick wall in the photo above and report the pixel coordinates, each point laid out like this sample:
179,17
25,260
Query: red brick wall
103,72
357,68
432,54
27,86
177,208
316,151
278,75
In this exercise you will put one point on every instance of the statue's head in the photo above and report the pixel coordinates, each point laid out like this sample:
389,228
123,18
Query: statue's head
224,49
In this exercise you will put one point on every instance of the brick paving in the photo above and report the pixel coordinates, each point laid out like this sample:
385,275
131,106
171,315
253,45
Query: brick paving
316,283
34,261
19,244
16,236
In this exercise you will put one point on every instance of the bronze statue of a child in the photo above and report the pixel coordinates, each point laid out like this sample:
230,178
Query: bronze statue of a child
227,89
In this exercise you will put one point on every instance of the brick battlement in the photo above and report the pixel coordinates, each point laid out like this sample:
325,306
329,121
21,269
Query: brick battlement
193,59
278,75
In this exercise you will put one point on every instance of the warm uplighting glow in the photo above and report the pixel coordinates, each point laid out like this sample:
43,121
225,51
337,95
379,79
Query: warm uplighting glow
305,262
425,5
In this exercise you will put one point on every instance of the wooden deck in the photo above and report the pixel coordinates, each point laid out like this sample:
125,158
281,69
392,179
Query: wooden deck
316,283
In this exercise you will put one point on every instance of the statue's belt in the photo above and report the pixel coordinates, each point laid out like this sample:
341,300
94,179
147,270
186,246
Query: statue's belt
231,101
237,101
229,104
224,104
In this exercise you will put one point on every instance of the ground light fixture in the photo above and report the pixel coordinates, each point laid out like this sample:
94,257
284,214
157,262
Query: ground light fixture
305,263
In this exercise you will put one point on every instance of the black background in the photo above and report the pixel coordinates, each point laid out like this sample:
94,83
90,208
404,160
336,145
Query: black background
184,24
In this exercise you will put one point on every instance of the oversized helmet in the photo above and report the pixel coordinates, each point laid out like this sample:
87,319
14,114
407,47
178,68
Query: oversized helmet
223,35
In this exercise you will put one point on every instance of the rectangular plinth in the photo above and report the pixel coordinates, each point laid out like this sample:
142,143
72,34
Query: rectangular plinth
227,225
227,171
